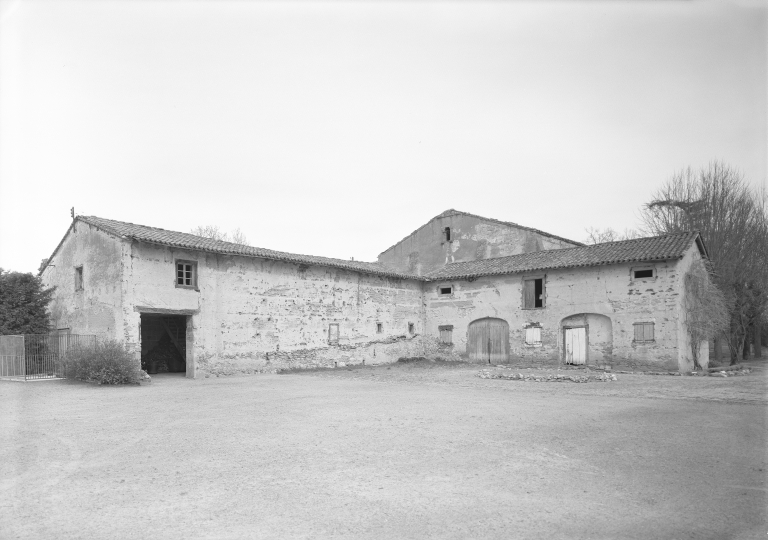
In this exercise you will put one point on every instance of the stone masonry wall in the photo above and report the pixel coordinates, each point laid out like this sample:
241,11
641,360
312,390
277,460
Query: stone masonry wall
472,238
593,295
96,309
254,314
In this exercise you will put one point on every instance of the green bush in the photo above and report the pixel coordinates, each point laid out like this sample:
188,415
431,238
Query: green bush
104,362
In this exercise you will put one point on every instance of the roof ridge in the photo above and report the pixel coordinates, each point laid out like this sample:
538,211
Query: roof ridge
231,248
588,255
452,211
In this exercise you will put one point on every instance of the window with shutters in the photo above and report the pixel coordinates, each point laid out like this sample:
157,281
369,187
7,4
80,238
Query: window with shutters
186,274
533,335
644,332
446,334
533,293
333,334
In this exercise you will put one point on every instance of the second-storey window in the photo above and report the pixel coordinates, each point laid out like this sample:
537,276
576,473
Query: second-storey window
186,274
533,293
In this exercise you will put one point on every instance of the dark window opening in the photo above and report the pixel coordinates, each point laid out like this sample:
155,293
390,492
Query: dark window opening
410,328
186,274
446,290
447,232
644,273
379,328
533,293
79,278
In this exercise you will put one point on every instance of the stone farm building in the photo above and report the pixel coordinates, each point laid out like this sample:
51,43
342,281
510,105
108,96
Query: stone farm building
459,287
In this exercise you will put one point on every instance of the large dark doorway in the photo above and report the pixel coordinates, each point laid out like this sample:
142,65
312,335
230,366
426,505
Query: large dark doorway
163,343
488,340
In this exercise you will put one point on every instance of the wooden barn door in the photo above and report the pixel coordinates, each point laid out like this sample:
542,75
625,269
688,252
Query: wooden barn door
488,341
576,345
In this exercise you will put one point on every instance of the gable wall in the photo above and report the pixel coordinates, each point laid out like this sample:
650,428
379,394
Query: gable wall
585,296
97,308
255,314
472,238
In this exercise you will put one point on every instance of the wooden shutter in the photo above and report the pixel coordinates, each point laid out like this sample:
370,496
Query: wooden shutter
648,332
533,335
638,332
529,293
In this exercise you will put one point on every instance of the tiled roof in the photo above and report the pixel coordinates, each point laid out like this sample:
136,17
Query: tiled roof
163,237
655,248
452,212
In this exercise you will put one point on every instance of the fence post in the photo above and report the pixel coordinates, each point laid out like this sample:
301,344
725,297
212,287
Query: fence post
24,357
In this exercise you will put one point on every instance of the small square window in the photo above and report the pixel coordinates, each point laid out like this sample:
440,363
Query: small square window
186,274
446,290
79,278
533,335
644,332
379,328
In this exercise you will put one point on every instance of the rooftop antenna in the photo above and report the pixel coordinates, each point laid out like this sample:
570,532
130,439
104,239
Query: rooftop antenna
72,212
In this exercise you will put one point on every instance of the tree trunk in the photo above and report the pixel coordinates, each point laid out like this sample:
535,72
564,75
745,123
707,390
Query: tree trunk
718,350
745,347
758,340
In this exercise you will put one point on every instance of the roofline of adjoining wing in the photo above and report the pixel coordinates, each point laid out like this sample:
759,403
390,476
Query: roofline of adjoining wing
697,239
106,230
507,223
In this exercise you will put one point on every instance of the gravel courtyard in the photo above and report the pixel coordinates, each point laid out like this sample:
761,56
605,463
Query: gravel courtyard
405,451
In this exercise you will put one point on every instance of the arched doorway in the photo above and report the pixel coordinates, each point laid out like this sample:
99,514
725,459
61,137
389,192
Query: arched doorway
587,338
488,340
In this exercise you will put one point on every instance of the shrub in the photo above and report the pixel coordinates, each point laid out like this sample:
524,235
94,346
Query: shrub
104,362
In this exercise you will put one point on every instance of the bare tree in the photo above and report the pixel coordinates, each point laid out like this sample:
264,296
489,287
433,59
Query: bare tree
598,236
733,222
706,309
214,232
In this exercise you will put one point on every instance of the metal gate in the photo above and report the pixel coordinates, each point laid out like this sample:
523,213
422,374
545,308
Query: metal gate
37,356
488,340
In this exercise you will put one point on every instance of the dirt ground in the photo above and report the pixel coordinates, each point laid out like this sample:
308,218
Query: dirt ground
404,451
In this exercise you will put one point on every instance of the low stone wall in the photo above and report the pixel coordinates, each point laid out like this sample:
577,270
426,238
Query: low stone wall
369,353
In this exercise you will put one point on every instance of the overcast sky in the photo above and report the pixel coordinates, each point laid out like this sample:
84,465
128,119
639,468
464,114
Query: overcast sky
337,128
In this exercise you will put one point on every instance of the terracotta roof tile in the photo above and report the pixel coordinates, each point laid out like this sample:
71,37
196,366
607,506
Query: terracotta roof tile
164,237
671,246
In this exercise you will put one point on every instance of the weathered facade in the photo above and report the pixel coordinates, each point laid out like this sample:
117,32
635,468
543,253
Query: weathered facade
213,307
455,236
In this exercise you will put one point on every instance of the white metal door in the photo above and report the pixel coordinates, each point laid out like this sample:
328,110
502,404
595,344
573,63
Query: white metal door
575,345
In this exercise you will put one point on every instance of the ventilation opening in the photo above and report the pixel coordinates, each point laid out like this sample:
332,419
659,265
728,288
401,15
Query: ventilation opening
410,328
447,234
643,273
379,328
446,290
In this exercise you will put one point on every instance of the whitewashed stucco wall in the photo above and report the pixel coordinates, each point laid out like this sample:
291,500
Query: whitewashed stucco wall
253,314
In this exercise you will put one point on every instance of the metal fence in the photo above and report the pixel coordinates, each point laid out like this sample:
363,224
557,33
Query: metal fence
38,356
